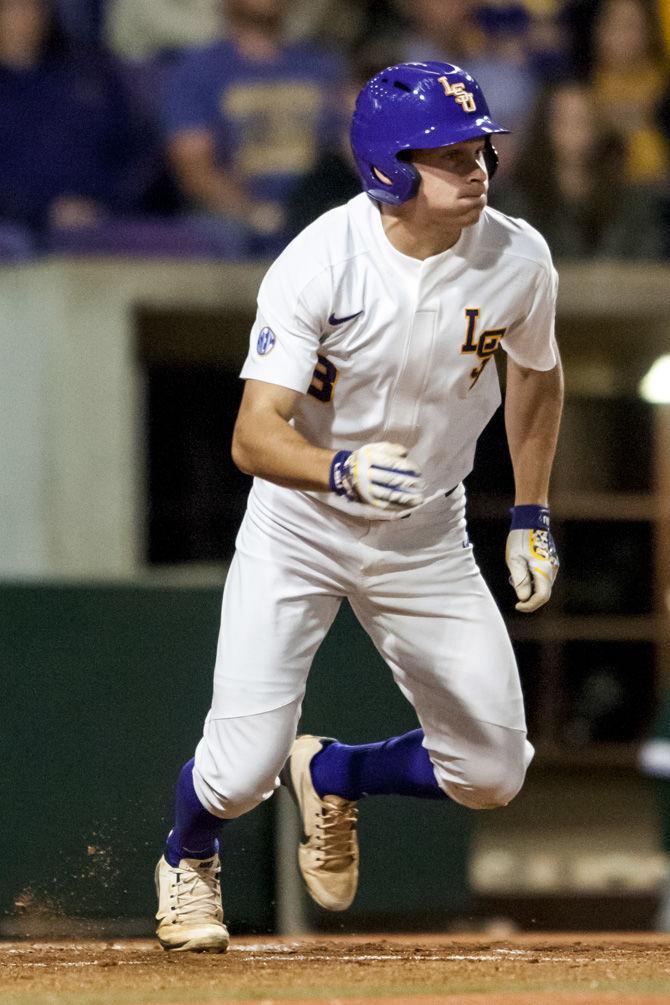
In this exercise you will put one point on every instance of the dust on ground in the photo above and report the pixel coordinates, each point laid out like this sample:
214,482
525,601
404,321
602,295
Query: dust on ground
537,969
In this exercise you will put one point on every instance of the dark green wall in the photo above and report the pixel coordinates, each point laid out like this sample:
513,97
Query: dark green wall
104,692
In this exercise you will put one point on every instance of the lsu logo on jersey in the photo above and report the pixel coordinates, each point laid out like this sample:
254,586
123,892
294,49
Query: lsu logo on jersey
266,341
457,91
483,346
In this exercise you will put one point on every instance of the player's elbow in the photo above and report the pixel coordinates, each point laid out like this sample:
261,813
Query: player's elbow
242,452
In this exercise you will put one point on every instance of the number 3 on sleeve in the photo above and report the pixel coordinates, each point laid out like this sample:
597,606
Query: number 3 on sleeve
324,380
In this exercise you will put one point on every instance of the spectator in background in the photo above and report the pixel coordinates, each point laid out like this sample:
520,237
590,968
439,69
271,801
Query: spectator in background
536,27
505,70
138,30
81,19
549,40
338,25
629,82
439,30
145,29
69,151
492,41
246,118
334,179
528,35
662,8
579,17
570,183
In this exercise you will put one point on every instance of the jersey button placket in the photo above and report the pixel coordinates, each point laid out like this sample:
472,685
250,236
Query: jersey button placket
414,369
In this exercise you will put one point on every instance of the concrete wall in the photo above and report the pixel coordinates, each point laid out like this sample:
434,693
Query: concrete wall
72,463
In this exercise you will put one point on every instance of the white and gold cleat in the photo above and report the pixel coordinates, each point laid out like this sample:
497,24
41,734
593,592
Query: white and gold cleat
190,914
328,852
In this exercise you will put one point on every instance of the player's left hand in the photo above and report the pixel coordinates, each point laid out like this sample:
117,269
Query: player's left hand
531,557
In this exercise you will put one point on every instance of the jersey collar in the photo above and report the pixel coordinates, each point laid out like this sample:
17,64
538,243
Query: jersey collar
416,266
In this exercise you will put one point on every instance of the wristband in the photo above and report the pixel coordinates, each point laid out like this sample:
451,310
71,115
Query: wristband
336,476
530,517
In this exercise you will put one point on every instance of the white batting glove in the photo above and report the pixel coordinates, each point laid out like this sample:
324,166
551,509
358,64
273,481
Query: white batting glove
380,474
531,557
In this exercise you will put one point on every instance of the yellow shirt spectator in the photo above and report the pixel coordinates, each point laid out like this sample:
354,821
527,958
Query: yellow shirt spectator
629,79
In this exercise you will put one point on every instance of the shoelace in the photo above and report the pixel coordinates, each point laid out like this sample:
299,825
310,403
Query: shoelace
335,831
196,893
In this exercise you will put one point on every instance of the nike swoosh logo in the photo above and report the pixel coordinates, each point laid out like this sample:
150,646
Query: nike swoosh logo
332,320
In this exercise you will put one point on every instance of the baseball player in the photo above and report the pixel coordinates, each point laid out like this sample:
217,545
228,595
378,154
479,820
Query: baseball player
368,380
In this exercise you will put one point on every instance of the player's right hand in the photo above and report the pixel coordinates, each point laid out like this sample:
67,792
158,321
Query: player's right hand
381,474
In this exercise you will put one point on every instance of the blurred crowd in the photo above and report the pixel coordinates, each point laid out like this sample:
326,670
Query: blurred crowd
220,127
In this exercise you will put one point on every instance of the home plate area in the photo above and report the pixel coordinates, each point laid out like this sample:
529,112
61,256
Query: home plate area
537,969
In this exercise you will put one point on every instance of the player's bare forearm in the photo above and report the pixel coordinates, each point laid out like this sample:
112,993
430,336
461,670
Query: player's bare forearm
533,406
265,445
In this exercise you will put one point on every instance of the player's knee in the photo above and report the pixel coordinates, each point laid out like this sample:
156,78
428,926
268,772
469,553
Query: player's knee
484,784
229,798
484,790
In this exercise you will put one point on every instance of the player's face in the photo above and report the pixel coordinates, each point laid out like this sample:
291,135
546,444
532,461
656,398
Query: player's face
454,180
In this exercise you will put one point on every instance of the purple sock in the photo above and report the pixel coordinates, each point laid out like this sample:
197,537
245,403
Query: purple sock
399,766
195,832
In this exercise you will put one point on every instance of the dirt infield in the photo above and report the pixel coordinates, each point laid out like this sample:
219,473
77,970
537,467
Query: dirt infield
550,969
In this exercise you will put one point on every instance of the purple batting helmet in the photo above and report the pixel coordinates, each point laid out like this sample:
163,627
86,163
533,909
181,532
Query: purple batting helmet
414,106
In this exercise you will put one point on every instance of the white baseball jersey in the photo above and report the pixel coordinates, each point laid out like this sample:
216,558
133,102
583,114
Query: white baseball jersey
388,347
383,347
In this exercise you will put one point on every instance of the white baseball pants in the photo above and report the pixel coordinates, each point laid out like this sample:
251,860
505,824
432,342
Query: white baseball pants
414,586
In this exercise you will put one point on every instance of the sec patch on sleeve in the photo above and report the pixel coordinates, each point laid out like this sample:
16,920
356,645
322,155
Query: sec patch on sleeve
266,341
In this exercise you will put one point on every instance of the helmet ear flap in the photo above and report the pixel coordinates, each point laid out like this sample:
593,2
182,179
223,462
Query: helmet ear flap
395,182
490,157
